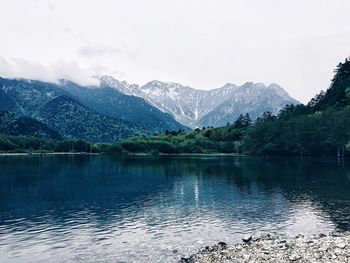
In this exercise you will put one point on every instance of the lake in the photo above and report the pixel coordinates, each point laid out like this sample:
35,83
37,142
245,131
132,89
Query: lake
156,209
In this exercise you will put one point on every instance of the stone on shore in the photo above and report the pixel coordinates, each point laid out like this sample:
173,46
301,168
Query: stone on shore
247,239
279,249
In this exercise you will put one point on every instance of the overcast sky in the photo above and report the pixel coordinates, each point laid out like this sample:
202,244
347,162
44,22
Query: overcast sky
200,43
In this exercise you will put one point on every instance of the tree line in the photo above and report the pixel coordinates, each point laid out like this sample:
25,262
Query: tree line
321,127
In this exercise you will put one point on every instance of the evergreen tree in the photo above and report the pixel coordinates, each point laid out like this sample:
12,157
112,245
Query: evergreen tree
243,121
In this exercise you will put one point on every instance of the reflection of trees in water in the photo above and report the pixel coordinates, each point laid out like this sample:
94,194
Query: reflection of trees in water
323,182
110,187
63,186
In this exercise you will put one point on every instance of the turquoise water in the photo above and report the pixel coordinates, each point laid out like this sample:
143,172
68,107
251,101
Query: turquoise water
141,209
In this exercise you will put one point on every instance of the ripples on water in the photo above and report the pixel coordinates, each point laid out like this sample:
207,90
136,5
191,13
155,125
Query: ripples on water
104,209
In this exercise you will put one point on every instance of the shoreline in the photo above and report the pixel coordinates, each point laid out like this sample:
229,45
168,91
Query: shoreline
334,247
130,154
165,155
47,153
187,154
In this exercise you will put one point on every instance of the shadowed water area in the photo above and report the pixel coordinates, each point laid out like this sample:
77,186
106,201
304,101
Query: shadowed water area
157,209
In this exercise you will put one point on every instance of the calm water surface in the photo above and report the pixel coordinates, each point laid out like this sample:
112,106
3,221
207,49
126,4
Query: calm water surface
141,209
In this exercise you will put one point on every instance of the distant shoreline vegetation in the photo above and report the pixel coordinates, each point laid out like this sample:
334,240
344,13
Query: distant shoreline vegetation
320,128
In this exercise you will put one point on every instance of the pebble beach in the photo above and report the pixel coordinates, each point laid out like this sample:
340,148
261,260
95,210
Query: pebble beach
334,247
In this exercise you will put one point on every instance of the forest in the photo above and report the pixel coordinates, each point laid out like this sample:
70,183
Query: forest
319,128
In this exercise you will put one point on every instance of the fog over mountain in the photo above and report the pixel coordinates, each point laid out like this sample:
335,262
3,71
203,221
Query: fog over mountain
201,43
196,108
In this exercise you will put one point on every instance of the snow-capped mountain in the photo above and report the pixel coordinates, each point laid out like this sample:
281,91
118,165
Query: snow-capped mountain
216,107
251,98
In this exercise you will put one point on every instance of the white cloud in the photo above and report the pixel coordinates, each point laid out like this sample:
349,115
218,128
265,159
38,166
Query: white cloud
200,43
90,51
21,68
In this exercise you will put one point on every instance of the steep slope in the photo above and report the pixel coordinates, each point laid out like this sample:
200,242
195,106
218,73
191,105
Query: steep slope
338,94
24,97
7,103
11,124
214,107
254,99
111,102
322,127
186,104
74,120
152,106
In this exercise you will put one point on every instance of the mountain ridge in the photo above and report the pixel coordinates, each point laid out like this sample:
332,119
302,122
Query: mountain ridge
111,102
24,97
156,106
190,106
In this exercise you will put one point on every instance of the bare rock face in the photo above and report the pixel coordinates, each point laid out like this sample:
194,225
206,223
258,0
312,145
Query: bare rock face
197,108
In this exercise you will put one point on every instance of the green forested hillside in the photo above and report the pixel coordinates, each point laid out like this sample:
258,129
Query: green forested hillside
25,97
74,120
25,126
322,127
110,102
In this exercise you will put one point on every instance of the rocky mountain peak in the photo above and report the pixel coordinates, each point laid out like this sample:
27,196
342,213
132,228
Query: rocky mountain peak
190,106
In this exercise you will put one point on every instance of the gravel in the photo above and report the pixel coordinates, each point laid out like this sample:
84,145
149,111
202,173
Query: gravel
323,248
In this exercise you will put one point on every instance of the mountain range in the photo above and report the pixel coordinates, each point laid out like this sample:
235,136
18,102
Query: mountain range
197,108
95,113
115,110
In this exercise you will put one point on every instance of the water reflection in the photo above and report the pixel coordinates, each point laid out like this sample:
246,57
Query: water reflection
90,209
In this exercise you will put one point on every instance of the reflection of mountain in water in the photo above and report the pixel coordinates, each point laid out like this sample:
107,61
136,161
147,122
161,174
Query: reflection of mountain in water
253,189
140,209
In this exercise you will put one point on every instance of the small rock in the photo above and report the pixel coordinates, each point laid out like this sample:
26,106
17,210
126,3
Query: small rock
335,234
294,257
341,245
268,236
322,235
175,251
323,249
247,239
222,244
317,256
